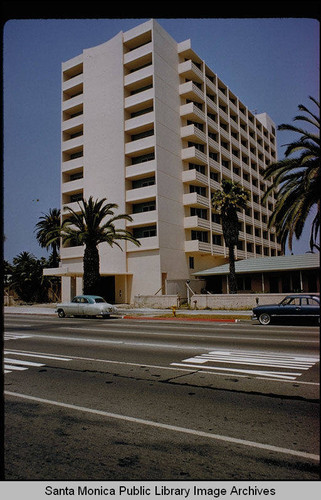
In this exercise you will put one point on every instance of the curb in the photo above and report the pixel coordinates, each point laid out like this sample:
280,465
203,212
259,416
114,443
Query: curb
220,320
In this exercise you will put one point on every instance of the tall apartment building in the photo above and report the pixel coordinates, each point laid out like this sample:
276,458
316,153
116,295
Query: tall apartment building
149,126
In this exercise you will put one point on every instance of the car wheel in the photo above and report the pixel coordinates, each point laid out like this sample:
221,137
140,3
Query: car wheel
265,319
61,313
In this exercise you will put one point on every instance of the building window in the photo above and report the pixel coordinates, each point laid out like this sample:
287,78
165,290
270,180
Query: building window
148,181
141,89
143,158
195,166
216,218
77,175
76,155
197,189
147,206
243,283
217,239
142,135
145,232
76,197
191,262
249,247
200,212
214,176
200,235
200,147
141,112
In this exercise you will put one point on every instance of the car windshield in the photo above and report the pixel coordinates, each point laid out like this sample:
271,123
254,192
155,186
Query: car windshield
99,299
290,300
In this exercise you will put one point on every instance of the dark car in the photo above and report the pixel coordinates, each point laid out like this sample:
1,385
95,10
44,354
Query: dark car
292,308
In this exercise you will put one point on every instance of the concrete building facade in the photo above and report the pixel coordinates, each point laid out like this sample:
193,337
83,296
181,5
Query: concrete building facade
149,126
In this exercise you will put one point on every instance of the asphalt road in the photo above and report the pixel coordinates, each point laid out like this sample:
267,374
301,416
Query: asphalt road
117,399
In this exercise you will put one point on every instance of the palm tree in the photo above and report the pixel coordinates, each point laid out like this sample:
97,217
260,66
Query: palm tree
226,202
90,228
298,182
48,234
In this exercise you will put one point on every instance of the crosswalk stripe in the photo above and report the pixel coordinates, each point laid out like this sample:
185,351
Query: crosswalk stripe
22,362
212,361
42,356
14,367
13,336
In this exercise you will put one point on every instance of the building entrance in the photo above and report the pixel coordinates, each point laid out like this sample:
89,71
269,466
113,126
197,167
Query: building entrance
107,288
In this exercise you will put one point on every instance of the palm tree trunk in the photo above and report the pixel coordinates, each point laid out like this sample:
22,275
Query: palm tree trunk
91,270
55,256
232,275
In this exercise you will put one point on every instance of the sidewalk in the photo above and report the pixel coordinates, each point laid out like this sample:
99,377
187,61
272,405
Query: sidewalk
140,313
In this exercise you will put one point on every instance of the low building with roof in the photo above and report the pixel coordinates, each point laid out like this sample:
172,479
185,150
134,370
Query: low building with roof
282,274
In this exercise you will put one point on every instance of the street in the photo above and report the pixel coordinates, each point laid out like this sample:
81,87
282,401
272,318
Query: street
120,399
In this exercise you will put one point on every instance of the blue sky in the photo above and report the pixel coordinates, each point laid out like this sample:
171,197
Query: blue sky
271,64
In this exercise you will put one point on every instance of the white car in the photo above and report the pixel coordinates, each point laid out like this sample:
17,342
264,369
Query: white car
86,305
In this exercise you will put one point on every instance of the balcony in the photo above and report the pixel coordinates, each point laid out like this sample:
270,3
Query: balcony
73,82
150,243
72,252
72,102
193,246
192,132
72,122
73,205
194,177
70,165
133,100
190,91
141,194
142,219
223,114
141,169
195,222
211,104
141,145
139,52
222,96
139,121
72,143
72,186
140,74
190,71
192,112
195,200
193,153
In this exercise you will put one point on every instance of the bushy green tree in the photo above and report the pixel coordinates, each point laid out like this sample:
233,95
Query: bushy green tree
27,279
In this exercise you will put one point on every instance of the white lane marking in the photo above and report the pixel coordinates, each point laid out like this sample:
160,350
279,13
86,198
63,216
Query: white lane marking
174,428
46,356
